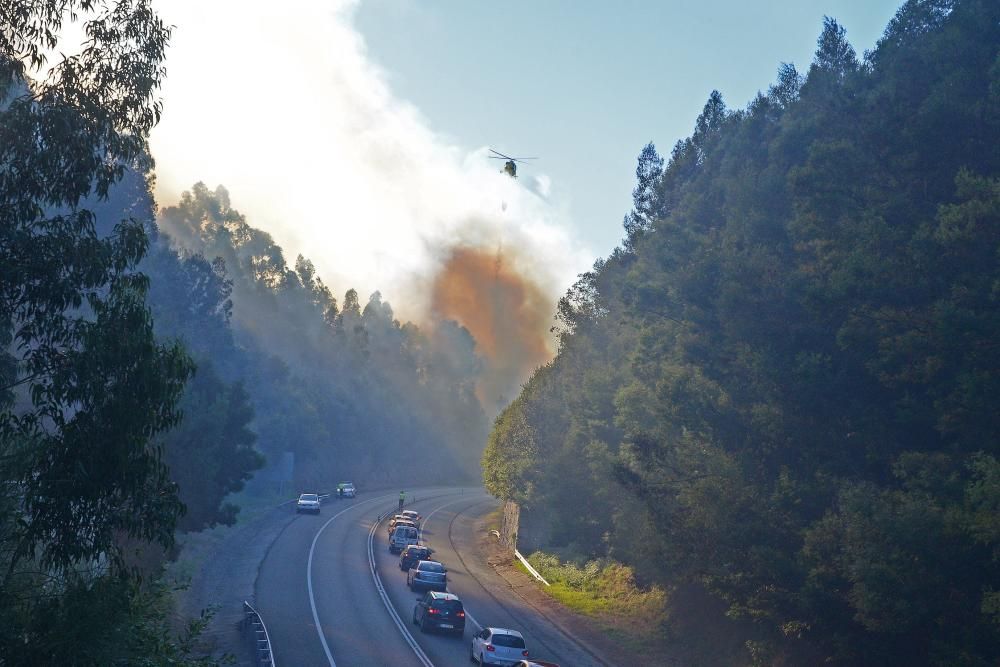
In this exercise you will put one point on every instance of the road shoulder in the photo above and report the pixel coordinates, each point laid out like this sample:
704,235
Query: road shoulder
221,565
583,629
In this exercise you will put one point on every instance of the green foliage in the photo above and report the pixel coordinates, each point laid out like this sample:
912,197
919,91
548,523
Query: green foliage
109,620
607,592
599,587
344,387
95,385
509,448
85,388
783,386
210,453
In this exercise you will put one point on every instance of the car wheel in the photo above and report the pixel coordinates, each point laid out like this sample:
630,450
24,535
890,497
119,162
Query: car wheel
472,656
414,617
423,625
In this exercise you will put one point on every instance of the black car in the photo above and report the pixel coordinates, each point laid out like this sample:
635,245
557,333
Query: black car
439,611
412,555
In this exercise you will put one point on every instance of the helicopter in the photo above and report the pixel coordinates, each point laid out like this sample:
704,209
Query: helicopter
510,166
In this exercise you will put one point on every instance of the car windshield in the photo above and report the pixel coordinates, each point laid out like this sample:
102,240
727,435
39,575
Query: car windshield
447,605
510,641
416,553
309,496
430,566
405,531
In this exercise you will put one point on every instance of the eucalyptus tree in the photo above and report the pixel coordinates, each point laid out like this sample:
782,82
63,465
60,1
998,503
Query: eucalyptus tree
84,386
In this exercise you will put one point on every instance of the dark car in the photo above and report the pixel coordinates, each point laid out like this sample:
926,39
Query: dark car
412,555
427,574
439,611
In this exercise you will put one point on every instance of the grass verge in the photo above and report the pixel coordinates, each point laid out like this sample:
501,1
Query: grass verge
606,591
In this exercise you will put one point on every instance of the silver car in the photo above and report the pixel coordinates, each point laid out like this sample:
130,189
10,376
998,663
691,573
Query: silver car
428,574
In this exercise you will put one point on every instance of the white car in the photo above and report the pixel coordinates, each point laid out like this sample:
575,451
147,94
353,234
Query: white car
402,537
307,502
411,515
498,646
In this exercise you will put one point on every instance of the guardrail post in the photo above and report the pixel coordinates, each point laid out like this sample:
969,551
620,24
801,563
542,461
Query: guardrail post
253,625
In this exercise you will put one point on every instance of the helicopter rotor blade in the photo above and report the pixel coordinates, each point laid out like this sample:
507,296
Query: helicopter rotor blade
499,154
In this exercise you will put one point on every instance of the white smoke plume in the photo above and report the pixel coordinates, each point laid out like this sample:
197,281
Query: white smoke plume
281,103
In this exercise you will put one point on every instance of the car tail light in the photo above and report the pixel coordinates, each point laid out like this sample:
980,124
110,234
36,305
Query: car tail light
490,647
524,653
432,610
461,614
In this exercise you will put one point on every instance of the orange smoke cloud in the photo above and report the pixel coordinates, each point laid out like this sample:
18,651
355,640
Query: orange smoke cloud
507,314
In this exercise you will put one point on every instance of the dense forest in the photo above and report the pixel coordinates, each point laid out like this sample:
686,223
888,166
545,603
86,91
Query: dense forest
88,391
151,360
782,387
344,386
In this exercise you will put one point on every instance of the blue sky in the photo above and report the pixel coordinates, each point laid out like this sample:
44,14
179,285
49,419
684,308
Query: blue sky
584,85
355,131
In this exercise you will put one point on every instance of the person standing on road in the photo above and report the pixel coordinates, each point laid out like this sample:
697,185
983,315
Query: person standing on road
402,499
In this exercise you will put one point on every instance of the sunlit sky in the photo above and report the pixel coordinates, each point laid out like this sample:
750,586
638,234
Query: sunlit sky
356,133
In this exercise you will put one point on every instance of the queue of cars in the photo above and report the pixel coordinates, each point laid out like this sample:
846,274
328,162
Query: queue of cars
438,610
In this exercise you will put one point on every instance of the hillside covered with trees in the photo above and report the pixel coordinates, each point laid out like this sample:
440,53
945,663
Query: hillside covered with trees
151,361
342,385
783,386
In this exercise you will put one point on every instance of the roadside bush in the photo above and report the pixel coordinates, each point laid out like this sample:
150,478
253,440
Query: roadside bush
598,586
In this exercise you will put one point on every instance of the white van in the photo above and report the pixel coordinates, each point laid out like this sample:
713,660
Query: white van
402,537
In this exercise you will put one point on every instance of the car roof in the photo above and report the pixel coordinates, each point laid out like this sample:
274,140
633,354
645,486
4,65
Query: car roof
505,631
428,560
441,595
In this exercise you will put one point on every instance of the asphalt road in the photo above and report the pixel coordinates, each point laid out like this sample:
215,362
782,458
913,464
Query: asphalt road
333,608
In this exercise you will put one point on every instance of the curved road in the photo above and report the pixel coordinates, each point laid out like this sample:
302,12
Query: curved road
328,610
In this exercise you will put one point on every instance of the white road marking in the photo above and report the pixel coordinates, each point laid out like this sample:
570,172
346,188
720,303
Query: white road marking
468,614
309,569
420,535
424,660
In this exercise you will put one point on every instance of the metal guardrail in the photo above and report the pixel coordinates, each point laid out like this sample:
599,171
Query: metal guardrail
532,570
256,632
